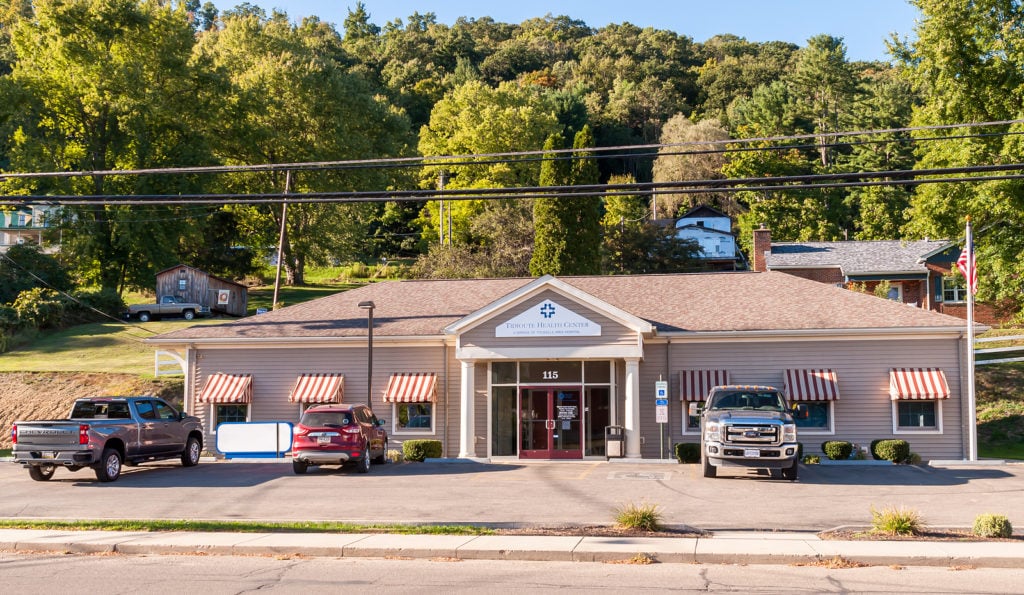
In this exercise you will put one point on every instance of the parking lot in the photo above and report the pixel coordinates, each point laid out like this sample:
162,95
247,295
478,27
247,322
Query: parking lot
545,493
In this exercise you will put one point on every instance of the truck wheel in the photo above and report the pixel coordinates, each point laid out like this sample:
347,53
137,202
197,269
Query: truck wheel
790,472
190,456
109,467
364,463
299,467
188,314
41,472
143,316
709,469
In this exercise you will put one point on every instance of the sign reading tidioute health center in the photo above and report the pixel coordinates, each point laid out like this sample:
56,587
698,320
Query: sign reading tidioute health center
548,319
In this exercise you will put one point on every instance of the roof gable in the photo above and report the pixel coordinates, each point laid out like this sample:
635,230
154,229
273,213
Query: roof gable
856,257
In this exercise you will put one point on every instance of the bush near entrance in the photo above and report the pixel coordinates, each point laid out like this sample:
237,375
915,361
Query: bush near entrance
897,451
837,450
420,450
688,452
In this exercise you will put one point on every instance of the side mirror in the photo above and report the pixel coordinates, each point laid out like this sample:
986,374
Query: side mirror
696,408
801,411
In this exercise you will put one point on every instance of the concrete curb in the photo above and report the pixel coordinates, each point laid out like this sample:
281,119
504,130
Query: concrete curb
724,548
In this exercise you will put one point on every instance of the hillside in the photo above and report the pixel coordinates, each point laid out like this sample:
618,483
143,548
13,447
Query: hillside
48,395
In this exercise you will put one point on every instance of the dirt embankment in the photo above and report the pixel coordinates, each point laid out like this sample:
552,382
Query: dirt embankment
48,395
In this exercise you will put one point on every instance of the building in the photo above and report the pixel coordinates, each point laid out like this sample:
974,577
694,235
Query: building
920,273
199,287
23,225
712,230
540,368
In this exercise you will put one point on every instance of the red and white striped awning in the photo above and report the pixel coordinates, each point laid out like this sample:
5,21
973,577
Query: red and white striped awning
694,385
411,387
812,385
318,388
917,384
228,389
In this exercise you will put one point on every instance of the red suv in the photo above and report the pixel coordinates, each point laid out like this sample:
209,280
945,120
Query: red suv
339,434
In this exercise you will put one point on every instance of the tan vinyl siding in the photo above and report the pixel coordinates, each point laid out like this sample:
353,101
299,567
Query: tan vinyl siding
864,410
612,333
274,372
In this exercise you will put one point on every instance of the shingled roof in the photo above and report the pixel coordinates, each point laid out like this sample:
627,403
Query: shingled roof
857,257
705,302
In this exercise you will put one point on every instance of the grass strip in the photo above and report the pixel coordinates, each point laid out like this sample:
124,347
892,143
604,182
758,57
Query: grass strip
242,527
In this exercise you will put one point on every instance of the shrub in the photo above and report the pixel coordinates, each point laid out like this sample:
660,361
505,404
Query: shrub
90,305
914,459
645,517
992,525
40,308
811,459
837,450
873,449
394,455
688,452
896,521
421,450
897,451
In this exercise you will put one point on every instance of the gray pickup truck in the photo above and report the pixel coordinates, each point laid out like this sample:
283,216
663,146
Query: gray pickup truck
104,432
166,306
748,426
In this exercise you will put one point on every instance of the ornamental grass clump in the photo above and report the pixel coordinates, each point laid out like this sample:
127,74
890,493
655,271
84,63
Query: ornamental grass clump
992,525
643,517
896,521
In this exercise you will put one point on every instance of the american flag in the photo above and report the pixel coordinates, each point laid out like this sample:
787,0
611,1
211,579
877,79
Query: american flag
969,270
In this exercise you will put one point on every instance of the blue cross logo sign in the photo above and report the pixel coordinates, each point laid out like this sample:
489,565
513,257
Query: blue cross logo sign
547,310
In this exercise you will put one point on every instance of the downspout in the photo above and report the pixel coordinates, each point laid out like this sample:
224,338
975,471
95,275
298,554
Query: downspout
444,443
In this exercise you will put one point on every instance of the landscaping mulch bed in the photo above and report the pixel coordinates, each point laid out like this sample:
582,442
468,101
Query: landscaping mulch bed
928,535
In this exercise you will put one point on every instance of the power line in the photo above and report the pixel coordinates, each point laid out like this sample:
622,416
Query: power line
620,151
755,184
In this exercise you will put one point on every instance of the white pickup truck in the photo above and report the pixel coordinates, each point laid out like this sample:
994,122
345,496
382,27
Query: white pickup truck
104,432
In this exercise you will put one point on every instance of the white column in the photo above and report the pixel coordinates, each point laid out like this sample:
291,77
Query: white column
632,413
467,433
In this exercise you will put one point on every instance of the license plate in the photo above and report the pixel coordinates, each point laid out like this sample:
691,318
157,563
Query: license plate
48,454
751,453
323,439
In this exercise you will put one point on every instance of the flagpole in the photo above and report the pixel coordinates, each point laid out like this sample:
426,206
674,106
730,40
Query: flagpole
972,448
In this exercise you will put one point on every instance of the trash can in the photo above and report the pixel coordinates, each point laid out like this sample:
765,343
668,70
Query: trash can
614,441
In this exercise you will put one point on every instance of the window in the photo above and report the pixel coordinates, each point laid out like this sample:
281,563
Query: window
230,413
145,409
819,417
916,414
895,292
954,289
182,284
691,423
414,417
164,411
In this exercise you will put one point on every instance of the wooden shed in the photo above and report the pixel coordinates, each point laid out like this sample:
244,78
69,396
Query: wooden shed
194,285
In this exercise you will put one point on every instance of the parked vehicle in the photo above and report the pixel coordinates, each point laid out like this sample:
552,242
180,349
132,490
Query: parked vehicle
104,432
748,426
166,306
336,435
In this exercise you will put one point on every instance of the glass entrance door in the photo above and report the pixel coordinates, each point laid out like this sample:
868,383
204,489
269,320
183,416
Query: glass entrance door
549,423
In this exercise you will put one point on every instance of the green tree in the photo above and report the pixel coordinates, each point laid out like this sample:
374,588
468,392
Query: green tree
825,81
24,267
693,152
733,67
102,86
290,99
583,215
550,237
967,64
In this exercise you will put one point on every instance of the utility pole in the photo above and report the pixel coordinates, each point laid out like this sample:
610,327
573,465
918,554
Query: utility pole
441,179
280,240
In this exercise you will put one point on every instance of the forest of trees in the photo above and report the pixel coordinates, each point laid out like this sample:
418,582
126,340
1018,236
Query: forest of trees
90,86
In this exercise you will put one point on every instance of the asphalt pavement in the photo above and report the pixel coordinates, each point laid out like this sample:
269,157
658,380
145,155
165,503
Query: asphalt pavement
743,517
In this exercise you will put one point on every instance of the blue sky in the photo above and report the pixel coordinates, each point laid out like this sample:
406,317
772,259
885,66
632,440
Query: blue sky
863,24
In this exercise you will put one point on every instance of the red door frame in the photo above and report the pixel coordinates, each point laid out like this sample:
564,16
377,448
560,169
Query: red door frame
550,424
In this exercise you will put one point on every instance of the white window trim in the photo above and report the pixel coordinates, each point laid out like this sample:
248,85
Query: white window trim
898,286
395,430
213,414
898,429
831,431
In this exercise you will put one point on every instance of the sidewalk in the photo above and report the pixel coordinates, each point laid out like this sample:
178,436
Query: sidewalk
722,548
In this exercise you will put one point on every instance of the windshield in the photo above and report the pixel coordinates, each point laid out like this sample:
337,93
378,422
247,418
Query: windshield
748,400
326,419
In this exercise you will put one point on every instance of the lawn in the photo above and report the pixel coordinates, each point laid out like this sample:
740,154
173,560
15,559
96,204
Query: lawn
263,297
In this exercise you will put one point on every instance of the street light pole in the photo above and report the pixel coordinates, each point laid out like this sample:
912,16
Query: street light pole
368,306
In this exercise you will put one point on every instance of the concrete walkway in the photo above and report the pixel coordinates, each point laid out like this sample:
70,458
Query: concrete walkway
722,548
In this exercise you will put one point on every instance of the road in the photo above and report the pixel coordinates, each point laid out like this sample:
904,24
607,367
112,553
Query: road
547,493
36,573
